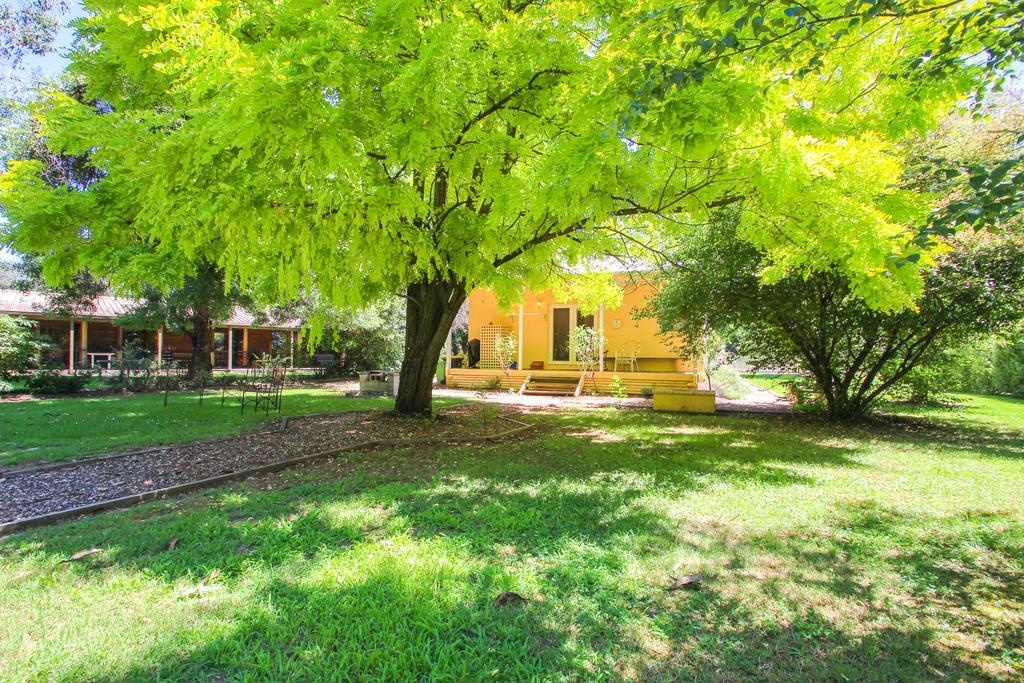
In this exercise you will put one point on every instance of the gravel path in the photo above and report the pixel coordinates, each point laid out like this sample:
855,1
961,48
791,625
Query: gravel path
757,401
31,493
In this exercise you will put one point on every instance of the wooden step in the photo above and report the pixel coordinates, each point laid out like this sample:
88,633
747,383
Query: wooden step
555,379
565,388
551,385
546,392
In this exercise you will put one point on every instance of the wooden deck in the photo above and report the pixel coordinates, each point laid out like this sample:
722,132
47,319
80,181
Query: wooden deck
634,382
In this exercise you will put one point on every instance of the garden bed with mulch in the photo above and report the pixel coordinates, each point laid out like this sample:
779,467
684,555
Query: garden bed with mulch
35,492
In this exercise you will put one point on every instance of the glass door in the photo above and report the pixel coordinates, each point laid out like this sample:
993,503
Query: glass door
561,338
564,320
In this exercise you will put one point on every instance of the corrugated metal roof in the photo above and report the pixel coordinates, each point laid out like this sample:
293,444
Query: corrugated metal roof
16,302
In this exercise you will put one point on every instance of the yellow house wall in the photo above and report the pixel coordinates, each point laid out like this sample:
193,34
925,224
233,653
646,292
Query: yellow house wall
656,353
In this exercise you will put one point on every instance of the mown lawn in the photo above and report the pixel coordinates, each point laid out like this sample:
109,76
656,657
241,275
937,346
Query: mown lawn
891,552
56,429
774,383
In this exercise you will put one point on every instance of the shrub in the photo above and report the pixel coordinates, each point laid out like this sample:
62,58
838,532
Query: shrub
989,365
491,383
647,392
19,346
804,392
505,351
48,382
618,387
1008,367
819,322
726,381
928,383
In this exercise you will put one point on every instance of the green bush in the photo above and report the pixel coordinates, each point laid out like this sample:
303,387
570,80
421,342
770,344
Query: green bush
618,387
991,365
927,383
804,392
969,367
48,382
726,381
1008,367
19,346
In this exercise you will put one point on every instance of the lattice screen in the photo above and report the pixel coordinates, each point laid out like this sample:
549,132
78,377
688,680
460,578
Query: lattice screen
488,337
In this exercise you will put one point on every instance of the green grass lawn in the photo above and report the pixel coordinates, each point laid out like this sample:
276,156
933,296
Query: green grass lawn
828,553
56,429
774,383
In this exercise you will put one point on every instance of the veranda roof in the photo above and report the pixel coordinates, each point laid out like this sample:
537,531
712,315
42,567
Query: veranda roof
17,302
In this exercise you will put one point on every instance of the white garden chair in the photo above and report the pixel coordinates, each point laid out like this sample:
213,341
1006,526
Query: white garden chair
625,356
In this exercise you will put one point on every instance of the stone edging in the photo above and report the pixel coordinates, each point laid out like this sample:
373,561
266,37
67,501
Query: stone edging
125,501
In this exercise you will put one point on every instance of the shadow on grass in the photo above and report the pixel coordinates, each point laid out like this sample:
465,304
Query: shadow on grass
391,572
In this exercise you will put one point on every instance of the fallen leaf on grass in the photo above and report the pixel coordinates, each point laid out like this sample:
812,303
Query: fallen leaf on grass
199,591
691,581
203,587
81,554
509,599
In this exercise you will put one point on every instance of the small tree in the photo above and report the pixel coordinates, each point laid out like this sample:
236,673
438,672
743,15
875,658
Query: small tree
819,325
366,338
190,308
505,351
19,346
589,347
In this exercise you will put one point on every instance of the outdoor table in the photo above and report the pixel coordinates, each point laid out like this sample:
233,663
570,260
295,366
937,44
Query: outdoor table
93,355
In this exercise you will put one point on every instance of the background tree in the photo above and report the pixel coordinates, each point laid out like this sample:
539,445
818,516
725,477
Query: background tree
366,149
28,27
185,292
72,297
191,308
819,325
19,345
978,164
367,338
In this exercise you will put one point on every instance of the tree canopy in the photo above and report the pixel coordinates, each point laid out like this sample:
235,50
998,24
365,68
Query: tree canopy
361,149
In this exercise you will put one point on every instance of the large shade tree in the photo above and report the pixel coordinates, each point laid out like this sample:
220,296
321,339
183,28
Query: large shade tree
362,149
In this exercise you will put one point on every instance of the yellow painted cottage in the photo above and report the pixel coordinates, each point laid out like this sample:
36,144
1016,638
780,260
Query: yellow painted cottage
545,359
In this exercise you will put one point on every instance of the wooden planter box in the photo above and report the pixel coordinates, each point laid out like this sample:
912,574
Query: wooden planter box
684,400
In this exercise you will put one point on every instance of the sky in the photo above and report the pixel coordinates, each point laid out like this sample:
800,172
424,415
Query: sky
53,63
46,65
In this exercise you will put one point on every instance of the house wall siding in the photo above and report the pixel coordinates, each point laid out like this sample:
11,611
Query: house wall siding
656,352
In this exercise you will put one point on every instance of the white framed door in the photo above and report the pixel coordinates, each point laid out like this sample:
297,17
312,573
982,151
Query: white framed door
562,320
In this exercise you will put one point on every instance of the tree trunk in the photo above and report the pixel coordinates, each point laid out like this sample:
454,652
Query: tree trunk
200,363
841,407
430,310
